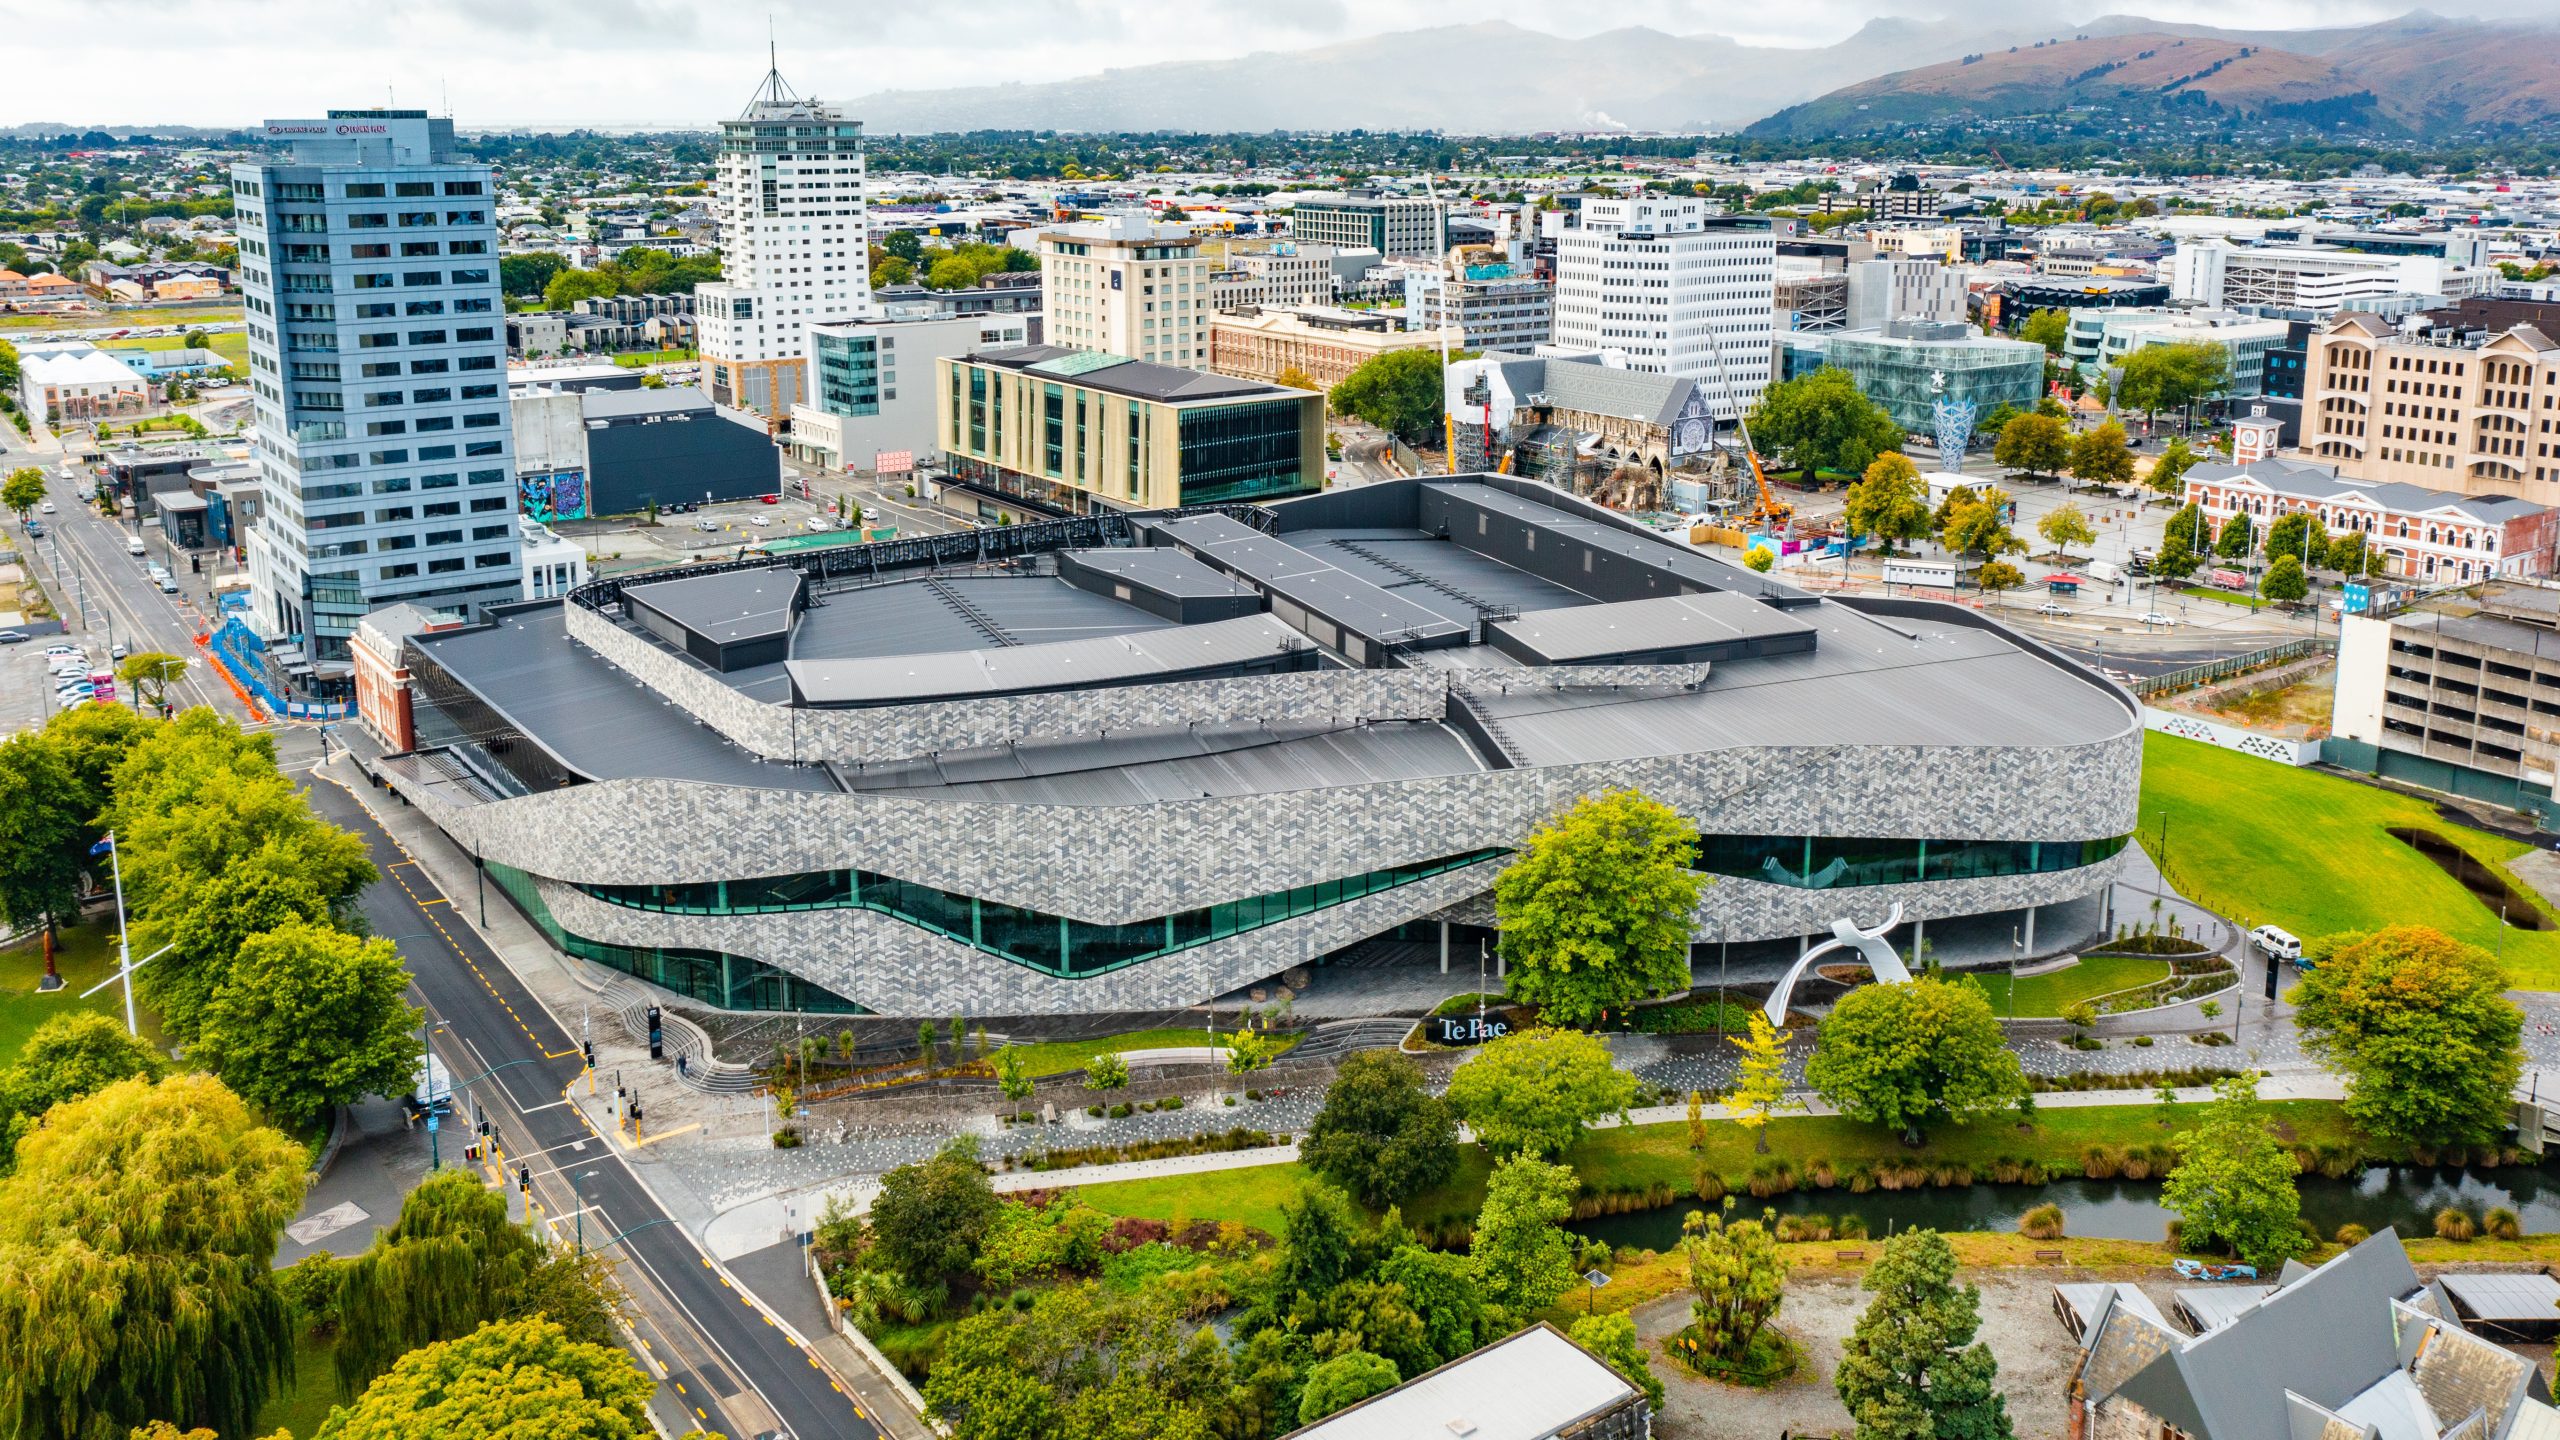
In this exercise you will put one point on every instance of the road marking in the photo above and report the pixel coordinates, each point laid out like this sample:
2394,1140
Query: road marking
311,1230
439,900
666,1135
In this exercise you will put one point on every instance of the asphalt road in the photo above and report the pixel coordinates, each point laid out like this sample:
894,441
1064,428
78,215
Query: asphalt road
724,1364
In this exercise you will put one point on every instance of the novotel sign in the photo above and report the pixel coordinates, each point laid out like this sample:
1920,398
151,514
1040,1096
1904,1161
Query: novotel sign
1467,1029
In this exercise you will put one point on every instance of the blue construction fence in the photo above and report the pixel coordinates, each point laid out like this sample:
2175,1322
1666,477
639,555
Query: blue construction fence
242,655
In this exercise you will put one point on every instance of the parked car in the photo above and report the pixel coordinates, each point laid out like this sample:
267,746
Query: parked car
707,527
761,522
818,522
14,637
2156,618
117,651
35,529
769,499
2050,608
52,650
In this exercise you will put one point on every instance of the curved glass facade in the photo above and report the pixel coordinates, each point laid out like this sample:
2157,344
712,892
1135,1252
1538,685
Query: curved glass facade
1831,862
1050,944
732,982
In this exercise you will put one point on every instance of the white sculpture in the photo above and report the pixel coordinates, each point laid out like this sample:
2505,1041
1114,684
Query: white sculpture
1888,967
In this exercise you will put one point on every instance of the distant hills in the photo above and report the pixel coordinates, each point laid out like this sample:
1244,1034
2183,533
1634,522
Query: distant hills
2420,73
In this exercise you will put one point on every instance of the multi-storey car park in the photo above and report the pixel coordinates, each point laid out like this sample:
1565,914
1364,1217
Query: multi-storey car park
1130,761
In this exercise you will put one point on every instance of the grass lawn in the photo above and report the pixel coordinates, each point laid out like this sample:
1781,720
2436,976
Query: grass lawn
118,319
1634,1158
2223,597
2045,996
2268,843
636,359
86,956
306,1399
231,345
1057,1057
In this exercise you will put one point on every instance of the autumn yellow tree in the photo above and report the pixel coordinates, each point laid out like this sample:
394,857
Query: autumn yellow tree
1761,1091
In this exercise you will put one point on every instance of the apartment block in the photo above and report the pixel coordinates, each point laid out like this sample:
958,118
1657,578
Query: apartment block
1492,303
2459,410
1676,290
787,196
368,267
1288,275
1127,285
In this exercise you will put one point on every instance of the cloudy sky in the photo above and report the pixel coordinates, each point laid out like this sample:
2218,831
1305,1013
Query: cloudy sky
554,63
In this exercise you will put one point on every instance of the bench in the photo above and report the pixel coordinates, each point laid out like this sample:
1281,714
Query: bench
1849,1255
2051,1257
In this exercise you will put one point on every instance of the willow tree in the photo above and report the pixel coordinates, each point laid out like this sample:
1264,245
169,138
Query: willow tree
521,1377
451,1263
136,1241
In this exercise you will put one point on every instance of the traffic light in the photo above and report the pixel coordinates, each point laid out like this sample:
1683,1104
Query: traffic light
524,1178
657,1036
589,1048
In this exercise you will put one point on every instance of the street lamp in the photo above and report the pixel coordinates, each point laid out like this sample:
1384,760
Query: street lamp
124,950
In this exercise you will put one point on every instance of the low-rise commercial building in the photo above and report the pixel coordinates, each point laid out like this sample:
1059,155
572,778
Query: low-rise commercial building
1396,226
2101,339
616,451
1323,343
871,401
2469,411
59,384
1288,274
1078,431
2284,278
1493,303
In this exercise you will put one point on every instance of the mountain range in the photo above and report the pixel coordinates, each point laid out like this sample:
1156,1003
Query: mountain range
2419,73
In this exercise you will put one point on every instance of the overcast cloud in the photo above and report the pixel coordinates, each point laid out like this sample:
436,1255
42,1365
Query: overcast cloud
557,64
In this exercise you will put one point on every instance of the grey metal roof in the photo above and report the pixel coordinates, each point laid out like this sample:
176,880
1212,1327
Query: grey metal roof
726,606
1574,382
2214,1306
1435,573
1867,682
2534,1297
1653,551
1140,379
1144,767
625,404
1633,627
598,720
1313,582
1531,1386
2085,1301
1164,654
1168,571
2314,481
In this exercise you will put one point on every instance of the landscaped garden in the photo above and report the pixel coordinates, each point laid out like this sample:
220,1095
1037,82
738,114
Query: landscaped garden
84,955
2272,844
2045,996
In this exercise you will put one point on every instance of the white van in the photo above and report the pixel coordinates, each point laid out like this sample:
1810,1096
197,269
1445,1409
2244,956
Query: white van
133,546
2276,944
2105,570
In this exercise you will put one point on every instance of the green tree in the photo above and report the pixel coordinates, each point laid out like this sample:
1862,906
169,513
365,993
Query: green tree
2419,1024
1595,911
309,1017
564,290
1319,1240
70,1055
23,491
43,832
1443,1290
1998,576
1760,559
1822,421
1080,1362
2048,328
892,271
931,1216
2036,444
1977,525
1908,1056
1613,1341
1399,392
524,1377
906,245
1911,1368
1760,1084
150,673
2065,526
1342,1382
1381,1135
2284,581
2100,456
2173,376
1889,502
1104,1074
2298,533
1737,1278
1533,1091
2168,473
1011,1078
136,1241
2348,554
2234,1183
1522,1254
2234,543
451,1262
1248,1051
528,274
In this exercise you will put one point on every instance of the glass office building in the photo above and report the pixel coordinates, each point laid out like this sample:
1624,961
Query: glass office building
1908,364
377,362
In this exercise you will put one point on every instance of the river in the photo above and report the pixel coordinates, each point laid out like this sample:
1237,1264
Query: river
2404,1196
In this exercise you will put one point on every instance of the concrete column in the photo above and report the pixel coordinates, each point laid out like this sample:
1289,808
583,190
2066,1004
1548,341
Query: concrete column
1803,944
1444,947
2031,930
1501,966
1919,941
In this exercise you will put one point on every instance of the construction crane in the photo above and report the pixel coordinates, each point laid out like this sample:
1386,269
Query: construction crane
1770,511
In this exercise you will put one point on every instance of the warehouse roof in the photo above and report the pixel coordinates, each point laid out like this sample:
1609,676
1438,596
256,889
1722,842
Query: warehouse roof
1533,1385
1165,654
724,606
1633,628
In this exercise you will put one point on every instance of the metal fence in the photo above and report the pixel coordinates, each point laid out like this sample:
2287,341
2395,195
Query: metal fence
2223,669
